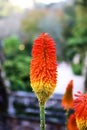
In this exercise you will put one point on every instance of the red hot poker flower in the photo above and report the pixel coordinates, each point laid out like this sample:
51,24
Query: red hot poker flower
43,68
72,123
80,107
67,100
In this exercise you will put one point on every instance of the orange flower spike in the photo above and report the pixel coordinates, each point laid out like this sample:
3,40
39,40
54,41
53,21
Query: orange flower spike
72,123
43,68
80,107
67,100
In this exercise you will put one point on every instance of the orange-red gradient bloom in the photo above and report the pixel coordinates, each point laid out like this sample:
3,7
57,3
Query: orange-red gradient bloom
80,107
43,68
72,123
67,100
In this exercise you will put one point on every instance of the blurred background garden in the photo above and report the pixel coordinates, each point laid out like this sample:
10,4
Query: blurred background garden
21,21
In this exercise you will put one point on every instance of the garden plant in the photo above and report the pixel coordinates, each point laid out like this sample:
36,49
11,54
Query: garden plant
43,77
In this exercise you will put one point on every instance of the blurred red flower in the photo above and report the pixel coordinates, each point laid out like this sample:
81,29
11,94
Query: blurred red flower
72,123
80,107
67,100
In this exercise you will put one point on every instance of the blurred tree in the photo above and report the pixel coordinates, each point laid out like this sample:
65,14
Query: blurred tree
79,31
78,39
7,8
3,8
70,21
45,20
11,45
17,64
30,23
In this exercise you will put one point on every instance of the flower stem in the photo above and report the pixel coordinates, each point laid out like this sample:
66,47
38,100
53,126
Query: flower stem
42,117
67,112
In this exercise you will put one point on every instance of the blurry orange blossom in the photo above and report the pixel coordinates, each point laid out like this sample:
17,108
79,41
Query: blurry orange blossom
67,100
80,107
72,123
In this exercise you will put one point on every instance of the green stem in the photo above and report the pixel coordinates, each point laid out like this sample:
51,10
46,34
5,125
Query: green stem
42,117
67,112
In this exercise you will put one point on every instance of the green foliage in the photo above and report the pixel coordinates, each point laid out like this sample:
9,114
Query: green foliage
17,64
11,45
77,68
77,40
79,34
70,53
